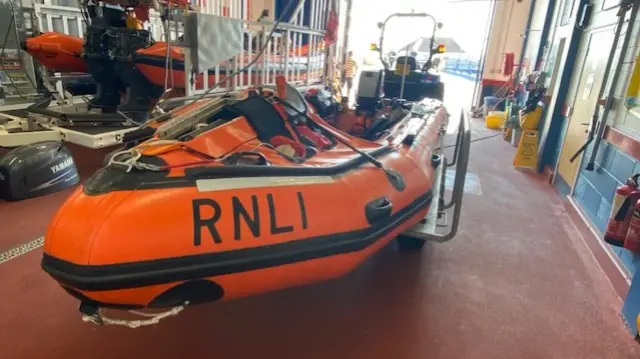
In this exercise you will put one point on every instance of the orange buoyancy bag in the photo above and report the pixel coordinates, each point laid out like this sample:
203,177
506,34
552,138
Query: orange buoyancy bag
277,141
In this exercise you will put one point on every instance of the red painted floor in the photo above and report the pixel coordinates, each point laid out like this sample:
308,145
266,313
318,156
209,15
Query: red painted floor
517,282
22,221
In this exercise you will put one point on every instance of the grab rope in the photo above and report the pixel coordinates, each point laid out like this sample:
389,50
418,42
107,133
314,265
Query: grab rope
99,319
132,156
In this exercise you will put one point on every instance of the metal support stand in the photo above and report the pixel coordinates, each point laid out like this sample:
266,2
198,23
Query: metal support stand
427,228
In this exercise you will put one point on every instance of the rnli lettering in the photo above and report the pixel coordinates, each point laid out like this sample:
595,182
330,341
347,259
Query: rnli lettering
246,216
274,218
252,221
210,223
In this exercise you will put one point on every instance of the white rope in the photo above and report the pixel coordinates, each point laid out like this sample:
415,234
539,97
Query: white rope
100,319
132,156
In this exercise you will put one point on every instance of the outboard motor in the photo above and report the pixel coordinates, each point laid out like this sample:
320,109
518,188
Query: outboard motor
98,58
36,169
370,90
140,90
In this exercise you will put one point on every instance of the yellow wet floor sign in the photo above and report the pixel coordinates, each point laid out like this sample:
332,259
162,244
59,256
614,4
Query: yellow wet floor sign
527,155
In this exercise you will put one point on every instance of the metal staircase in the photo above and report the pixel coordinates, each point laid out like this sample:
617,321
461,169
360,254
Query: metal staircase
17,77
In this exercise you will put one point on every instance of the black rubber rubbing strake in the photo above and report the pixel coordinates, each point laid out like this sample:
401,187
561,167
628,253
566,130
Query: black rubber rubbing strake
166,270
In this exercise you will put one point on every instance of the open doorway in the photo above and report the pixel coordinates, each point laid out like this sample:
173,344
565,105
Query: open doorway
465,23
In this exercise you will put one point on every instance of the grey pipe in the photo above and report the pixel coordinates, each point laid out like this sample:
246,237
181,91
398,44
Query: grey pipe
600,125
523,49
296,11
345,38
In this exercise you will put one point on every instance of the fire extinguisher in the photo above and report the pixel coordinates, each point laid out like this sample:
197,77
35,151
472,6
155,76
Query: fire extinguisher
632,241
638,329
622,210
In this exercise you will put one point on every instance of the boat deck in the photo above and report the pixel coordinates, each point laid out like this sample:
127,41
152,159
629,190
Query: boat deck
516,282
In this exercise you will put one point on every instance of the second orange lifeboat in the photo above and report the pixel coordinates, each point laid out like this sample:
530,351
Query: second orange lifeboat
152,62
57,52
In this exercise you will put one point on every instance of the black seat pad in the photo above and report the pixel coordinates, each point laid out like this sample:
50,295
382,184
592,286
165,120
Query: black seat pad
263,117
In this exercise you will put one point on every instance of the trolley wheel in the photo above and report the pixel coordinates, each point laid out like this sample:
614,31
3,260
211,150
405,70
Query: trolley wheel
410,243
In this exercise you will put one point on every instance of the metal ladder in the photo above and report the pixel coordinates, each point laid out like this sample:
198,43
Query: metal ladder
15,77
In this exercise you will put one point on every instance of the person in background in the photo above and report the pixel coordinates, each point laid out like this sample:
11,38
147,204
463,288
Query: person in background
132,20
350,68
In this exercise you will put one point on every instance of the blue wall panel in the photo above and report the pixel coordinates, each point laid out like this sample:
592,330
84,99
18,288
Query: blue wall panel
603,215
595,189
591,200
632,305
561,186
622,166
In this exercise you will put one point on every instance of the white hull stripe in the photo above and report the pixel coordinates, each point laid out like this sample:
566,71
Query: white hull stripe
224,184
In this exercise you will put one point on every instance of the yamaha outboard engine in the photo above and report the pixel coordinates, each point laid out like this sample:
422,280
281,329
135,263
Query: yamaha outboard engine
36,169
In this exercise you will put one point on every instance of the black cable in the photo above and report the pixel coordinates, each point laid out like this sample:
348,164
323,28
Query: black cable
477,139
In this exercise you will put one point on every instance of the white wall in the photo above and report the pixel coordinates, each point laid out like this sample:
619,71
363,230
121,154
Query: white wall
509,22
620,117
534,35
256,7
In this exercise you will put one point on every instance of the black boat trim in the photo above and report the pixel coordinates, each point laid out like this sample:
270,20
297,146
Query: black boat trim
167,270
138,59
108,180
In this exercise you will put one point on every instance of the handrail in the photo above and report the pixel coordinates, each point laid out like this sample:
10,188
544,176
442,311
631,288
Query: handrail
462,159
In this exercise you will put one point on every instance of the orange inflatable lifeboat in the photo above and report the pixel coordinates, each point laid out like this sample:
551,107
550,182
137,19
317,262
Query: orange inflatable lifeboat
57,52
239,196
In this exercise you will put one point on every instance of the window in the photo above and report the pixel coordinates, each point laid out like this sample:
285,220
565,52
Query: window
56,22
73,27
70,3
567,9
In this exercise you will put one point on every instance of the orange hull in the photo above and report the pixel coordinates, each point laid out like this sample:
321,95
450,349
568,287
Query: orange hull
152,63
201,228
57,52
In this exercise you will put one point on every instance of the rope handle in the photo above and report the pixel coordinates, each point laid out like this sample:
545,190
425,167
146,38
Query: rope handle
102,320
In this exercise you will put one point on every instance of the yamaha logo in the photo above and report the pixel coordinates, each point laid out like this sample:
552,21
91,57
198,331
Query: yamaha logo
62,166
